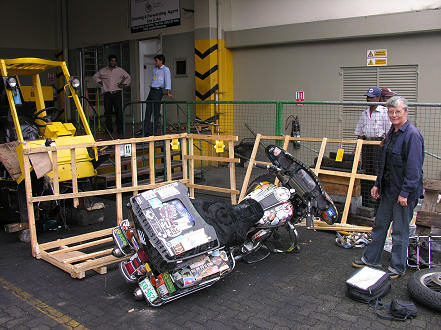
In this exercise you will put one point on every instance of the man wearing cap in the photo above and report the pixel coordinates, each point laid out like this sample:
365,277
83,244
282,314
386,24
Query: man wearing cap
373,124
386,94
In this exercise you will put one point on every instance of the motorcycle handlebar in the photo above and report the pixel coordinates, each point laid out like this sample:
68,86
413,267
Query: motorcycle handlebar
270,168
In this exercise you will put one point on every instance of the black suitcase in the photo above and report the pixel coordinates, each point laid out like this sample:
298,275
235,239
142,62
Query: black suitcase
368,284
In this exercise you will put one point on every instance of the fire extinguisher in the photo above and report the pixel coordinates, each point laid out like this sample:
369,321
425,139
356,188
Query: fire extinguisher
295,129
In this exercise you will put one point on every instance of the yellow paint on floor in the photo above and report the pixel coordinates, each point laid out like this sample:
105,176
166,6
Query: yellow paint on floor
47,310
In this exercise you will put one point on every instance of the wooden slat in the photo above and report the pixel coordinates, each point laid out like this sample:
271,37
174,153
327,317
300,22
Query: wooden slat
87,256
30,205
191,152
428,219
184,162
352,181
214,158
232,168
320,156
15,227
94,263
82,246
119,215
285,147
432,184
168,160
348,174
73,163
213,137
76,239
59,264
55,179
246,180
105,143
101,192
211,188
152,161
134,167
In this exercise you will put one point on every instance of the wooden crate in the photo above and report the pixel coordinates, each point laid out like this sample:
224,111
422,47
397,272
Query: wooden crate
93,251
352,176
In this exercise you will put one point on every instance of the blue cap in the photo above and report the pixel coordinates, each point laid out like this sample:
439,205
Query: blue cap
373,92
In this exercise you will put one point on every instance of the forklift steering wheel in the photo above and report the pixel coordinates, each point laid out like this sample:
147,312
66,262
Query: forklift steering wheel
48,118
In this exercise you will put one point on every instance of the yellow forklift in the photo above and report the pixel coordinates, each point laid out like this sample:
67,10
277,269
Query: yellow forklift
26,121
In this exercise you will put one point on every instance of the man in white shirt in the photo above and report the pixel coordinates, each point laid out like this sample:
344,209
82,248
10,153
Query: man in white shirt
161,79
113,79
374,123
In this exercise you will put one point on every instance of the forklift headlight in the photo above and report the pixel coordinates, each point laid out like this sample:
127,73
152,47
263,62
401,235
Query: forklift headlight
11,82
75,83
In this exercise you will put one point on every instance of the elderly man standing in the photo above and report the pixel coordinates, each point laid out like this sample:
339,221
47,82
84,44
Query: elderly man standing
113,79
398,186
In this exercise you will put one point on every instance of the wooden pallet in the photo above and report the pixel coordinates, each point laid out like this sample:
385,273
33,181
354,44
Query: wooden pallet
69,255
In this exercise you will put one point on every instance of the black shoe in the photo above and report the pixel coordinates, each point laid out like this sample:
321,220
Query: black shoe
138,132
359,263
394,276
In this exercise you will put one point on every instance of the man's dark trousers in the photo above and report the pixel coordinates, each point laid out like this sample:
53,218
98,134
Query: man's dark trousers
113,100
389,210
155,94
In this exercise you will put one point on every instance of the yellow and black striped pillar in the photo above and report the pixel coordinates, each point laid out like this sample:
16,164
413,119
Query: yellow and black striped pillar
214,76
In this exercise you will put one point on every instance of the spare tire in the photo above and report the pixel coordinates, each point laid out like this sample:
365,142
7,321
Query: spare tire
425,287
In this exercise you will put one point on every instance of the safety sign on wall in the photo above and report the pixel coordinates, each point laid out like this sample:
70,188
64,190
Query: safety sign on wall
300,96
376,57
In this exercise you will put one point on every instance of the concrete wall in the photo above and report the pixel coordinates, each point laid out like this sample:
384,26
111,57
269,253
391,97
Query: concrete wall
275,73
248,14
29,27
108,21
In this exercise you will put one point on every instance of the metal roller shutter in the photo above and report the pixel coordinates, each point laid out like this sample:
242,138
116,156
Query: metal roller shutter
402,79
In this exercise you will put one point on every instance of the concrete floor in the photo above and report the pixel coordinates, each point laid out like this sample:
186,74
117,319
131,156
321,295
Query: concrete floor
285,291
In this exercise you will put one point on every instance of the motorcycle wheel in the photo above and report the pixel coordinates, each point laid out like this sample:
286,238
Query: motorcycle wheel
425,287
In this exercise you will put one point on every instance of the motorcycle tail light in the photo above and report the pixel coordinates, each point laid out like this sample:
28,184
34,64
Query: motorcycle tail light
129,268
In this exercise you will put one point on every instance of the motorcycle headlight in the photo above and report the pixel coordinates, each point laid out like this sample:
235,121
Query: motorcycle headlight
11,82
75,82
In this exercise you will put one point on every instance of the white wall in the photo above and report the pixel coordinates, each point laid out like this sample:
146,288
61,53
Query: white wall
248,14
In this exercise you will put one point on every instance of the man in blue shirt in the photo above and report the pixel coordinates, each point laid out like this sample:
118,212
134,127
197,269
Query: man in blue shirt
161,79
399,184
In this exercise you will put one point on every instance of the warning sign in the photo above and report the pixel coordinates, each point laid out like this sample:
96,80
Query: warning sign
376,57
376,61
376,53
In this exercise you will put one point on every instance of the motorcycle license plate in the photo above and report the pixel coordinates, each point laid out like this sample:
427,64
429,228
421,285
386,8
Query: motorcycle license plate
148,289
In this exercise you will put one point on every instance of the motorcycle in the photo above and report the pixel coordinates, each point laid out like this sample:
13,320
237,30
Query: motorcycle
174,246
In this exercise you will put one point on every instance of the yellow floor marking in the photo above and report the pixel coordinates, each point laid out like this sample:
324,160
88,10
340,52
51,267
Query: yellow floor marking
54,314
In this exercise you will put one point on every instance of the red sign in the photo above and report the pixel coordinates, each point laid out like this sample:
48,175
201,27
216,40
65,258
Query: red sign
300,96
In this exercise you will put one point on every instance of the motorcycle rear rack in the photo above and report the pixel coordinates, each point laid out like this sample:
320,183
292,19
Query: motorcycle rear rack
186,292
195,288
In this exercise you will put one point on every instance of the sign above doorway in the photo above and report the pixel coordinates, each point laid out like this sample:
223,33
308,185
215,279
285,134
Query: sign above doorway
148,15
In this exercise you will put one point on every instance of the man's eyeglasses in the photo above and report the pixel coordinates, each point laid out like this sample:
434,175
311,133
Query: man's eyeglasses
396,112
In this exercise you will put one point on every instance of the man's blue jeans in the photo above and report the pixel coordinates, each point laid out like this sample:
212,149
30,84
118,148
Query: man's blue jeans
389,210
